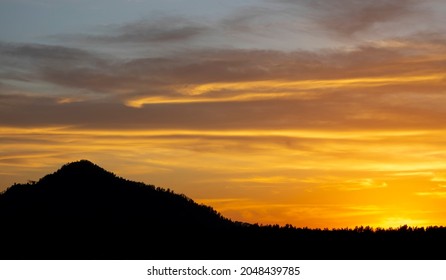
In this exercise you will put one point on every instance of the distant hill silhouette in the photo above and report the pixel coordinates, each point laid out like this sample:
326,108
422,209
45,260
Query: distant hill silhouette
83,190
82,211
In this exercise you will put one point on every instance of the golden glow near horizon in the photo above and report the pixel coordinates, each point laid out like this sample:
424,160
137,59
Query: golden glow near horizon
377,178
288,112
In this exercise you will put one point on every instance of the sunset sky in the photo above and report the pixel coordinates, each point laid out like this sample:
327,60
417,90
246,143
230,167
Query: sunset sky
317,113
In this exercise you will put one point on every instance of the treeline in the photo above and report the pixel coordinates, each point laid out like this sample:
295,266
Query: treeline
356,229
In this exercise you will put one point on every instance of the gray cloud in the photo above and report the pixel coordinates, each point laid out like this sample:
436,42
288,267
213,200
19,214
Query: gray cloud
43,52
26,62
157,30
36,64
165,75
163,30
336,110
348,17
75,70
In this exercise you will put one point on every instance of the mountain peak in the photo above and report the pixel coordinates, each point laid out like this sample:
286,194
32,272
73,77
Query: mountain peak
79,171
84,162
81,164
83,190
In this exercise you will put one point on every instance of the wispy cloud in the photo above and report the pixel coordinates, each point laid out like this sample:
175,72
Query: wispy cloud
361,184
168,29
44,53
347,17
386,85
437,194
229,75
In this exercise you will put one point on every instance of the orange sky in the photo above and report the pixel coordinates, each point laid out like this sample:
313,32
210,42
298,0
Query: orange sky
268,114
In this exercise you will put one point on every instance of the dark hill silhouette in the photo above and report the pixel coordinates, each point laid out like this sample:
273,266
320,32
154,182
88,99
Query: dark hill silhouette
83,190
85,212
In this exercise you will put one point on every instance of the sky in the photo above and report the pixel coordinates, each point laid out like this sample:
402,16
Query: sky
322,113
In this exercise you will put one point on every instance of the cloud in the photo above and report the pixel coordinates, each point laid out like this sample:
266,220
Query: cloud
168,29
361,184
248,26
178,73
349,17
390,84
28,67
43,52
438,194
